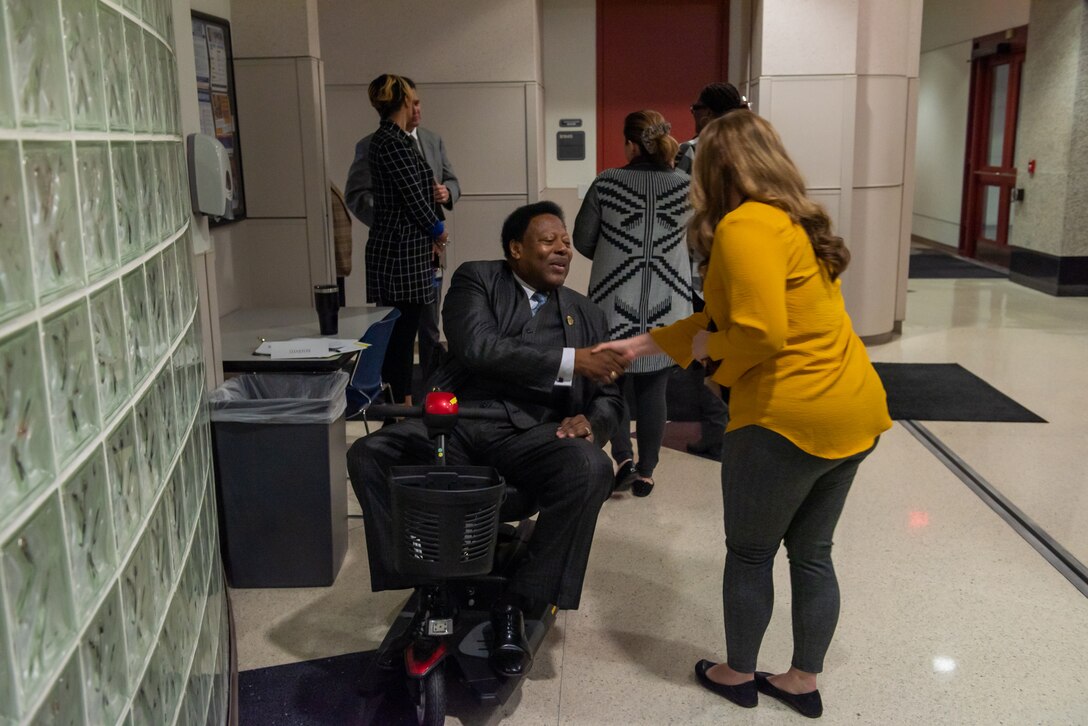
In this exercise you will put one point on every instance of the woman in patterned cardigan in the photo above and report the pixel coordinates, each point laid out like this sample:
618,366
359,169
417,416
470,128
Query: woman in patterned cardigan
632,225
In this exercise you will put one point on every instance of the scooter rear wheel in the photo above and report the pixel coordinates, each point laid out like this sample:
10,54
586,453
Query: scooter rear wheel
430,698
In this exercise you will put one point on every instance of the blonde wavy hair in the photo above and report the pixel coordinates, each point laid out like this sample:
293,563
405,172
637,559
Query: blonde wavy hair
741,151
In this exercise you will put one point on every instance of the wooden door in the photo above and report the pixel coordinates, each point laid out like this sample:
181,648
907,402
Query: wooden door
655,54
991,144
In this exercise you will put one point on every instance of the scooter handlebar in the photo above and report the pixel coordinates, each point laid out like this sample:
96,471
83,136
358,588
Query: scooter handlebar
399,410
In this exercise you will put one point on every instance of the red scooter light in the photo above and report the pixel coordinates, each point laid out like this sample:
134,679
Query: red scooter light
440,403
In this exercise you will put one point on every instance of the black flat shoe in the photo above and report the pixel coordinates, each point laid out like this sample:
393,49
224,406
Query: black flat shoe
509,654
625,475
809,704
744,695
642,486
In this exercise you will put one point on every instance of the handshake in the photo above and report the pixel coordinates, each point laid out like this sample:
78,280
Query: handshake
600,366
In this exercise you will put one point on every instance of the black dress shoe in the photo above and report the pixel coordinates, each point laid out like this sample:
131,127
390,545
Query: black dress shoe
625,475
509,654
807,704
742,694
642,486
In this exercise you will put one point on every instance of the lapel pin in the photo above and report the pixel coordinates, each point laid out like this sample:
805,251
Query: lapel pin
570,320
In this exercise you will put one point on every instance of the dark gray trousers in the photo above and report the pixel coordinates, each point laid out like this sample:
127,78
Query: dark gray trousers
774,492
569,478
648,390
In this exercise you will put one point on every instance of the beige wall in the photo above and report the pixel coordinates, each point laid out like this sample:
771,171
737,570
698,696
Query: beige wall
1053,218
946,22
480,88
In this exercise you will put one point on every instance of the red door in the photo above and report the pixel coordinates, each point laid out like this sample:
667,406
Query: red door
991,145
655,54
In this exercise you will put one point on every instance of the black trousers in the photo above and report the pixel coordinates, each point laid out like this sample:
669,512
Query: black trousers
429,339
397,366
569,478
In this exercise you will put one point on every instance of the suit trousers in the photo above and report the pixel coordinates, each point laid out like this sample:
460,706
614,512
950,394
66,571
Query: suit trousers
569,478
774,492
429,339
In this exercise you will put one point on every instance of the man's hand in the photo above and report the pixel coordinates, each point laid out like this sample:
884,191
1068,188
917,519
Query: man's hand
438,244
441,193
602,367
575,427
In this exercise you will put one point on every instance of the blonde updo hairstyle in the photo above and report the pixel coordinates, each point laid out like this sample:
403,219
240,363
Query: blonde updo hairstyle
388,93
742,151
650,132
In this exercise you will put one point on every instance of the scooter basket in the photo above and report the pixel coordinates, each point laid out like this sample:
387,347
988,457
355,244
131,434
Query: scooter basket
445,519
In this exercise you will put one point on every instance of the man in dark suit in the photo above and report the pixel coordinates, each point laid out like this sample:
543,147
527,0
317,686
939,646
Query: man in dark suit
518,340
359,195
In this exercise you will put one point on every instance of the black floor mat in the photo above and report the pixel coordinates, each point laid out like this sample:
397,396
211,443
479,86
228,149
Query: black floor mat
946,392
323,692
938,266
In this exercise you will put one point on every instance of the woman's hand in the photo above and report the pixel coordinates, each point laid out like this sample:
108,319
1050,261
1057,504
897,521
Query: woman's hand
698,346
631,348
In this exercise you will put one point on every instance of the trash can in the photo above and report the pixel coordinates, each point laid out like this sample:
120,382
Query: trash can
280,474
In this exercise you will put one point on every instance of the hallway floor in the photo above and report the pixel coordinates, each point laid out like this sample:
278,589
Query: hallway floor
948,615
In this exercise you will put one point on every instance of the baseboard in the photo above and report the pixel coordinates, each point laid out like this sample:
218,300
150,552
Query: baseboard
1052,274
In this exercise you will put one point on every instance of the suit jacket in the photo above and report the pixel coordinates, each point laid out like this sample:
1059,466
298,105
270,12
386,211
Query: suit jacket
483,316
399,250
359,192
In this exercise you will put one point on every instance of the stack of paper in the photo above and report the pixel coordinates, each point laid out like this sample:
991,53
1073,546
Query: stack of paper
308,347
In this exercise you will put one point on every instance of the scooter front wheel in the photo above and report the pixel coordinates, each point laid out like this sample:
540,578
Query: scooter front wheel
430,697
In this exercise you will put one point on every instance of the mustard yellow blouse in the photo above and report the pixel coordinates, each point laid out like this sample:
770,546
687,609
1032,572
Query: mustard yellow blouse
786,345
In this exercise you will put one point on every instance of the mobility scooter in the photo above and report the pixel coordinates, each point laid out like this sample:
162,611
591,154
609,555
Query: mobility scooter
452,542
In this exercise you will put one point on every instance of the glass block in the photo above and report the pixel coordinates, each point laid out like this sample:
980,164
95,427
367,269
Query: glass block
129,220
183,198
96,207
7,102
115,69
70,377
84,63
129,501
104,665
26,444
38,55
194,702
64,704
138,80
167,416
157,84
39,601
186,276
110,348
148,193
91,545
161,529
138,606
157,698
150,437
16,289
141,342
9,704
169,261
54,217
157,308
167,178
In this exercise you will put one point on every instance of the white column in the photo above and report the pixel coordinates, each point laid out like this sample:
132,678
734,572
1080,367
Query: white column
838,79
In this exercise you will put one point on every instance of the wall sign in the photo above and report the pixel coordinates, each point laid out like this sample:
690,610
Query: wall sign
570,145
215,97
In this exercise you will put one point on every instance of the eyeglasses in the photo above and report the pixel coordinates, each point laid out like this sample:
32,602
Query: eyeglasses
698,107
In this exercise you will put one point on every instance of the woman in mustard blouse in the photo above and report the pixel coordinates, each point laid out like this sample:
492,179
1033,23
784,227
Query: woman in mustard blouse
806,406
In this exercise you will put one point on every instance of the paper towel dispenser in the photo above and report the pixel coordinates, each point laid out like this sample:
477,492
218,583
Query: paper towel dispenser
210,183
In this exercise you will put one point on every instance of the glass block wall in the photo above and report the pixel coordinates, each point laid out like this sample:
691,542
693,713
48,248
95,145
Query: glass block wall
111,604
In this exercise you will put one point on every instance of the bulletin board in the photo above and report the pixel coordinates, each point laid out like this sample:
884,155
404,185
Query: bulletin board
216,98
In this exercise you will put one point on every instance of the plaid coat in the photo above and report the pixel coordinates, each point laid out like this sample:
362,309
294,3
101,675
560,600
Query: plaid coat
398,252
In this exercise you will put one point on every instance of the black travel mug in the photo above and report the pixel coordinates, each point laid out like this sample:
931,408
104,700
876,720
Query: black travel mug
327,303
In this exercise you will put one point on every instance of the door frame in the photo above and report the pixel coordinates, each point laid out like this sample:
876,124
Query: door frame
988,51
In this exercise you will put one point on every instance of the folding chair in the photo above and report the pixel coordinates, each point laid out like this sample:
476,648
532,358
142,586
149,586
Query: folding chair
366,378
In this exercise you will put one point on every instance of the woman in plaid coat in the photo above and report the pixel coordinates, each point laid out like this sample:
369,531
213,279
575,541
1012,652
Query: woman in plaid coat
406,232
